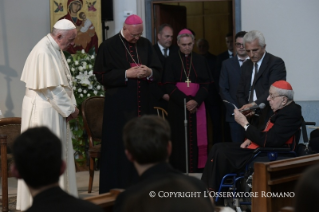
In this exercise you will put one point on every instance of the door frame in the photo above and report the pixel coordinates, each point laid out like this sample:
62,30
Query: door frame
149,14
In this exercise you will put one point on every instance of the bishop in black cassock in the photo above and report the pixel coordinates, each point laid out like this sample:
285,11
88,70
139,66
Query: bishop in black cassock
126,65
187,75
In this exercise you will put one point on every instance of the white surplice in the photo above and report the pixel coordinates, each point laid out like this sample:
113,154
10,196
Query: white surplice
48,100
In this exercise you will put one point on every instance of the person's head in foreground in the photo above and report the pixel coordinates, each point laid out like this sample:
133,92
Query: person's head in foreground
307,190
37,154
147,140
280,95
133,28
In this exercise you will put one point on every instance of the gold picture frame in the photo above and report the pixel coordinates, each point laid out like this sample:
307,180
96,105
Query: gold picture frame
86,16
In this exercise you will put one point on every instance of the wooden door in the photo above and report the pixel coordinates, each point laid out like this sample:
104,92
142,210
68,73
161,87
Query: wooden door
169,14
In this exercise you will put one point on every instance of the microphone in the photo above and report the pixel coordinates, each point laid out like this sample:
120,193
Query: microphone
260,106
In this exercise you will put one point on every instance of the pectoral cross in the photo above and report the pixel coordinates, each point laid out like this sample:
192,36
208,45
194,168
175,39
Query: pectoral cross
188,81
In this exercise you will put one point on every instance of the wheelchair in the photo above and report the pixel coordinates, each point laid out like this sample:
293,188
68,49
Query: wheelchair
242,181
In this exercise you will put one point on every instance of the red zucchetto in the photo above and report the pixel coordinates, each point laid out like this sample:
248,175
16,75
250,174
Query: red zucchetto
185,31
133,20
282,84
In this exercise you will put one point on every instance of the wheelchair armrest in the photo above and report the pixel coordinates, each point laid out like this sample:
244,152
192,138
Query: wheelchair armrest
272,149
310,123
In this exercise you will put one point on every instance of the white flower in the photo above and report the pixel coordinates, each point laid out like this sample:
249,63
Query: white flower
72,69
91,72
101,95
89,95
95,92
84,79
90,87
90,66
98,87
83,52
81,95
84,64
92,57
80,68
68,60
79,90
76,62
74,88
86,73
84,91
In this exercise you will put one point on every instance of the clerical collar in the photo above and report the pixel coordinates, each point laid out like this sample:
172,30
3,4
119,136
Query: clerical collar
121,34
53,42
184,55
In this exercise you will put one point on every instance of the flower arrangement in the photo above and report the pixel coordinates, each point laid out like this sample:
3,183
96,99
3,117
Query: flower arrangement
85,85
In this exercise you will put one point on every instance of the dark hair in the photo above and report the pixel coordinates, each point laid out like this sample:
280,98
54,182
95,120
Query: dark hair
160,28
37,153
146,138
307,190
240,34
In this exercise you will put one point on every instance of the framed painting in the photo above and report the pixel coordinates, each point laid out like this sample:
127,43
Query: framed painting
86,16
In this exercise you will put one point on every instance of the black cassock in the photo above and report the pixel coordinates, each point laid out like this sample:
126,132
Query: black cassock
174,72
124,100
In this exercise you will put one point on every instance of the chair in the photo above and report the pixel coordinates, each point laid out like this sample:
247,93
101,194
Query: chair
161,112
10,128
261,154
92,112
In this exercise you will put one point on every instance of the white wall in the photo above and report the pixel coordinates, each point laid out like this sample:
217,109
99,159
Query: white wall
291,31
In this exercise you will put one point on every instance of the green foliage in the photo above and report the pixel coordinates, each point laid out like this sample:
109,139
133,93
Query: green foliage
85,85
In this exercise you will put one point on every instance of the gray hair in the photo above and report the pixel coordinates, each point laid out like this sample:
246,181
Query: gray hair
55,31
283,92
185,35
253,35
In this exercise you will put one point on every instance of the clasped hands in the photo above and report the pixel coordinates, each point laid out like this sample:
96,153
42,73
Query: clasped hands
138,72
191,106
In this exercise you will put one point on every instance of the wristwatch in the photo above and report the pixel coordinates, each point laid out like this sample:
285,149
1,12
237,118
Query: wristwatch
246,126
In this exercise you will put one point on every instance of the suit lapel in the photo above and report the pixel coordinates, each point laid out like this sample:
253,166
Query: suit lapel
263,67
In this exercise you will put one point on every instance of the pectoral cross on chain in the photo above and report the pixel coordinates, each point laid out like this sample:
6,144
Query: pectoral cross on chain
188,81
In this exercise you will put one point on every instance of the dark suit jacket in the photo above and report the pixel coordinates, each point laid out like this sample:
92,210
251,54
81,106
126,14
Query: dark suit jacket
220,58
271,70
228,84
159,179
158,91
55,199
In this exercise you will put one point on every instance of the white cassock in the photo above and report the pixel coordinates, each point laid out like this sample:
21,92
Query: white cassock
48,100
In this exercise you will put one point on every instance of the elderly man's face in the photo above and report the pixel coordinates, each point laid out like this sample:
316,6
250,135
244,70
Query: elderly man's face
165,37
275,100
132,32
254,50
66,39
186,45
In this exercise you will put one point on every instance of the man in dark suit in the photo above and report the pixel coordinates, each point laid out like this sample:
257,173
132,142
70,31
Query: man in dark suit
148,147
226,54
258,74
228,84
163,49
37,154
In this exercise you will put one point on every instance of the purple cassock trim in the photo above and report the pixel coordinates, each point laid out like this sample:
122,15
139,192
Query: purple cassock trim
201,124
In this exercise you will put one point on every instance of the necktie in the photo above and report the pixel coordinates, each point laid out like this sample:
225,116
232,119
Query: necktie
165,52
252,88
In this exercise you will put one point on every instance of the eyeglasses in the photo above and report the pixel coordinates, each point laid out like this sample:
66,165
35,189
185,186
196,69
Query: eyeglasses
239,45
273,97
136,36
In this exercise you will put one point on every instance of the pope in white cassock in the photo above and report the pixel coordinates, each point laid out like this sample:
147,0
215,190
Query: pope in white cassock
49,99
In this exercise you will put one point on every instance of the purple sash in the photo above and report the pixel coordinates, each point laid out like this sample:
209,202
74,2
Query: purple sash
201,125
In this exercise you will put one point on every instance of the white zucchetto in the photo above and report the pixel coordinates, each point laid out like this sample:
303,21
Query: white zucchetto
64,24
